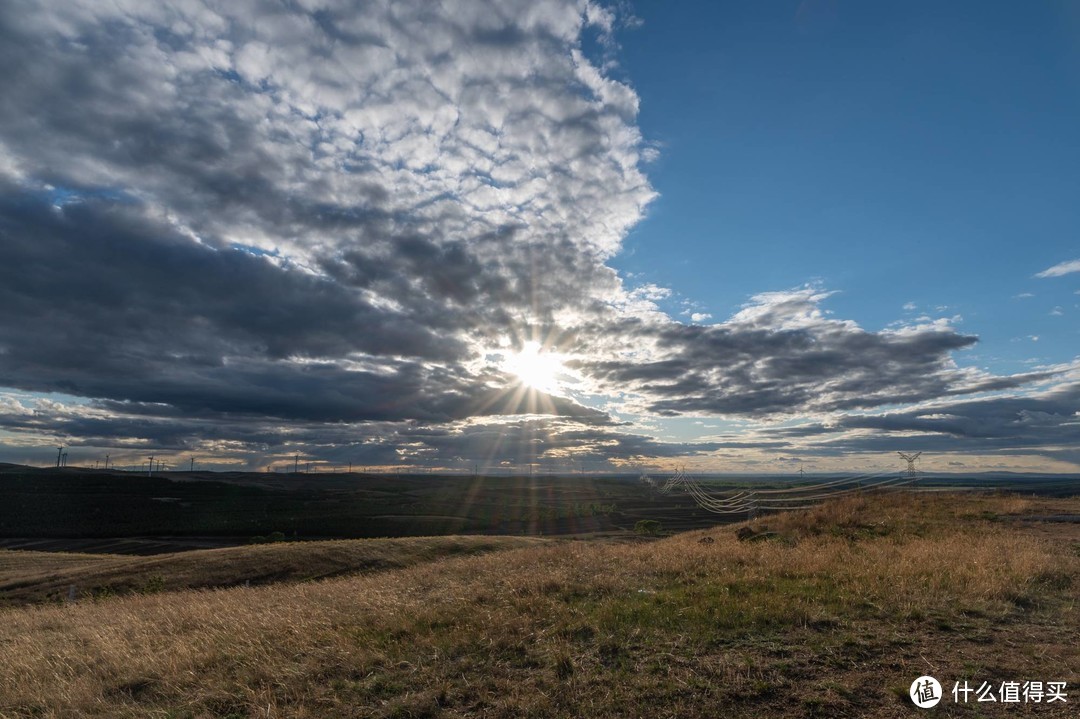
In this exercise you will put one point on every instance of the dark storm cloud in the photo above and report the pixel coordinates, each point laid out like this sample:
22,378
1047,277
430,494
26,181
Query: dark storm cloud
1048,422
100,272
781,354
102,302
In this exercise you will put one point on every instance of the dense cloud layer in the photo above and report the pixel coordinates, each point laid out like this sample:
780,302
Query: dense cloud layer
782,355
104,303
1045,423
544,443
247,227
383,170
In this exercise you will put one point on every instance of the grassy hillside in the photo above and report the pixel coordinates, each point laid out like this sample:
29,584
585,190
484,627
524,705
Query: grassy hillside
29,577
828,613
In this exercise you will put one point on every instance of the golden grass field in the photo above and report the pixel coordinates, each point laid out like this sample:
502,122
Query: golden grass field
833,613
33,577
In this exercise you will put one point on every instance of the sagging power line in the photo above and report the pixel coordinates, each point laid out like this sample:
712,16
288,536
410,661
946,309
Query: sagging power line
802,496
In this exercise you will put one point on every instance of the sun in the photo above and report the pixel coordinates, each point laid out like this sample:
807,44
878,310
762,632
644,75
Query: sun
536,368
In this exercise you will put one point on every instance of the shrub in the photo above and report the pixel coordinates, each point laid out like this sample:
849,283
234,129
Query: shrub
649,527
272,537
154,583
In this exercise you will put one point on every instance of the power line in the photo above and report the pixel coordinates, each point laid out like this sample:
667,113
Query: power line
750,501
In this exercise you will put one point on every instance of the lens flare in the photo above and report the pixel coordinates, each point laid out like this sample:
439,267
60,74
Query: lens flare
536,368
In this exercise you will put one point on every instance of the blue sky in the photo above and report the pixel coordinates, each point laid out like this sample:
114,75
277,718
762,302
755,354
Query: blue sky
544,233
896,153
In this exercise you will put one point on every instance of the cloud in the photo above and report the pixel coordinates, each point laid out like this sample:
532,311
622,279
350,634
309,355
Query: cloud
106,303
781,354
1061,268
554,444
310,130
324,211
1047,422
238,227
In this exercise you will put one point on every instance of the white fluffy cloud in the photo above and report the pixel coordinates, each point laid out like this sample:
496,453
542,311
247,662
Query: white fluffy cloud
285,127
1060,269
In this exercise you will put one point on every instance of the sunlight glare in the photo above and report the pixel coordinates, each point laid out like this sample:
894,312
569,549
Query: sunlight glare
535,368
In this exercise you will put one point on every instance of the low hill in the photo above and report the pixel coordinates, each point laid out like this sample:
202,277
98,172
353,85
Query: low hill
34,577
831,612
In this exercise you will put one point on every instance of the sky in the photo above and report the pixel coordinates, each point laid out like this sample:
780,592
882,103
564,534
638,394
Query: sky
540,236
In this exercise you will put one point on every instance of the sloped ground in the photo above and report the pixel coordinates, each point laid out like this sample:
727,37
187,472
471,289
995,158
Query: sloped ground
829,613
35,577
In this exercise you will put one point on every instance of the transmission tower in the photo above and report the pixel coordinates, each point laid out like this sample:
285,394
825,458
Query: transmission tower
912,473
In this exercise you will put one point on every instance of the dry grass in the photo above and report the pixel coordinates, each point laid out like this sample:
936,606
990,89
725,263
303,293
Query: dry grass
28,577
827,619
